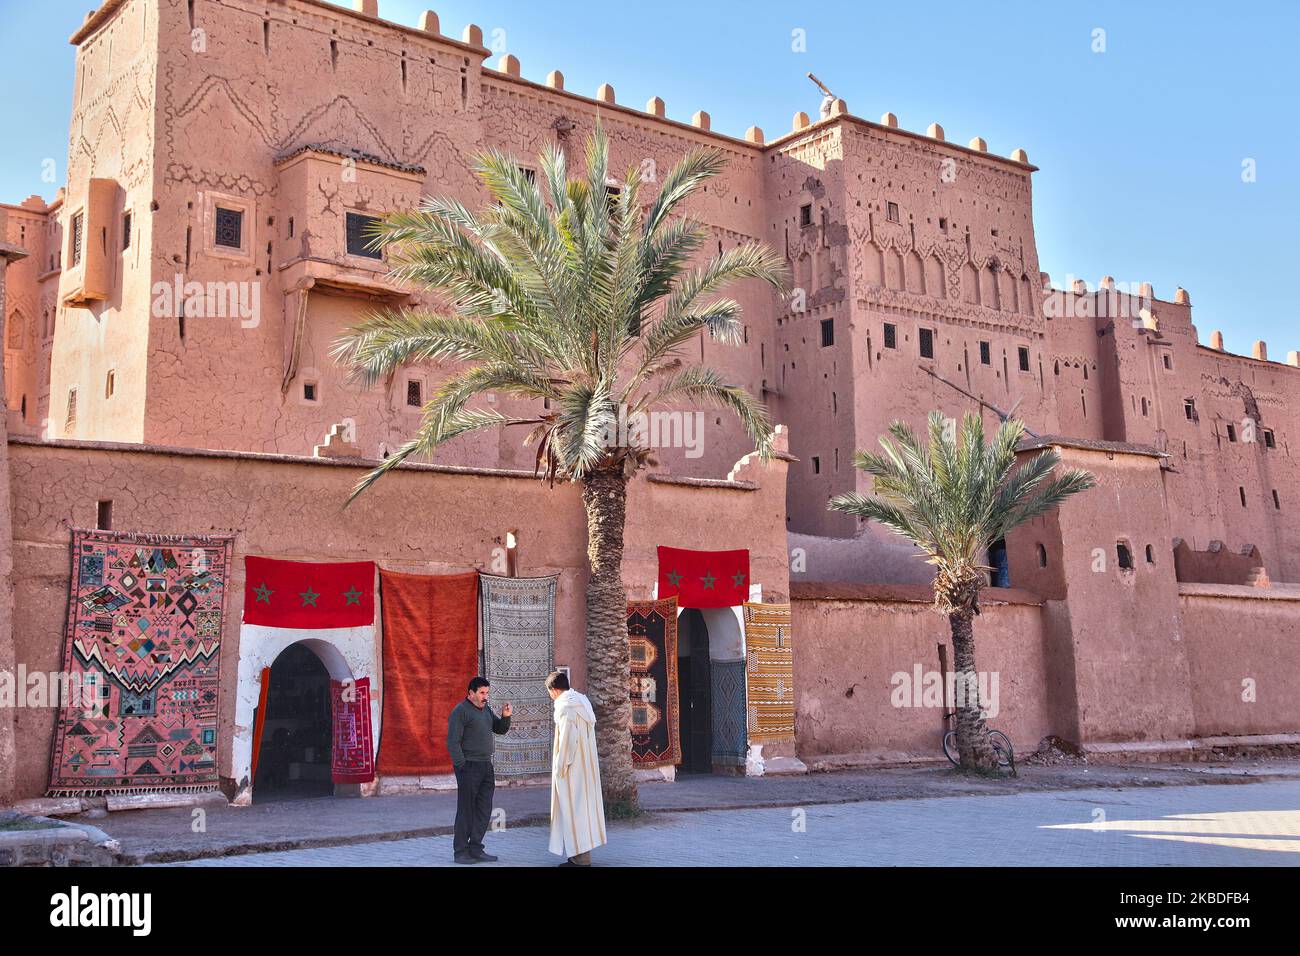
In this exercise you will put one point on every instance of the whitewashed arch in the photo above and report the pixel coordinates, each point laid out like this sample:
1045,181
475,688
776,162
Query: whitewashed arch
345,656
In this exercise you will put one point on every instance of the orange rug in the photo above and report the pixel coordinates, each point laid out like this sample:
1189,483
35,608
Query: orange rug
430,653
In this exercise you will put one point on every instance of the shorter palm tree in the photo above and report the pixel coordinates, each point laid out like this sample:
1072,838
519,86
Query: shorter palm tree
955,500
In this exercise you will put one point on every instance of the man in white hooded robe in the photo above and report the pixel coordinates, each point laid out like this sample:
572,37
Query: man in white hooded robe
577,807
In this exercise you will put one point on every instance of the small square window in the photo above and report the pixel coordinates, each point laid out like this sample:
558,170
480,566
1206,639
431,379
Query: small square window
126,230
817,465
805,215
110,383
70,420
986,354
828,332
360,235
230,228
1189,409
1269,440
1169,362
943,224
891,211
1242,492
1232,432
1024,358
309,391
891,336
414,393
529,174
927,343
1277,502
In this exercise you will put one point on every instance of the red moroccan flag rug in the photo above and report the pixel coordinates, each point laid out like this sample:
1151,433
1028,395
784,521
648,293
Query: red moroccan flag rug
141,653
769,672
704,578
352,754
430,653
306,596
652,686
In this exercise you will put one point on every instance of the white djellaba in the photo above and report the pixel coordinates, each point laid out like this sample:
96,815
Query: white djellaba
577,808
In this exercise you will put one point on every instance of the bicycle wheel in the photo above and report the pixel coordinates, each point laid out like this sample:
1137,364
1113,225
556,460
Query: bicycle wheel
1002,748
950,748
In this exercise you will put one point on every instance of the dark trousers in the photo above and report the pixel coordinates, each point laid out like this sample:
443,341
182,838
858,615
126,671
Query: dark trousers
475,785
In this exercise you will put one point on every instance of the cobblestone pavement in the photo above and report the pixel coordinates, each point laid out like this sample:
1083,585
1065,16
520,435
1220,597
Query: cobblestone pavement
1208,825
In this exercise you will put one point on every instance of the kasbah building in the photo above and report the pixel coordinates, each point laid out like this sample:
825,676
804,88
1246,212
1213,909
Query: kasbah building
230,141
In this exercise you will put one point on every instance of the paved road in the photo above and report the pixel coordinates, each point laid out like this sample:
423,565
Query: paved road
1212,825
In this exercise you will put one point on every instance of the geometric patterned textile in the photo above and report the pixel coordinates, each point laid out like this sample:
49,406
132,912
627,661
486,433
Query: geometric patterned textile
652,682
352,755
769,672
141,655
729,716
518,654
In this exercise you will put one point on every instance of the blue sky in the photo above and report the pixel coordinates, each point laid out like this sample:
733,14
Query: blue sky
1140,146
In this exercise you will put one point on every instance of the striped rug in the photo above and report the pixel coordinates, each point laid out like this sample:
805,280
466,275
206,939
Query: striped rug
518,631
769,672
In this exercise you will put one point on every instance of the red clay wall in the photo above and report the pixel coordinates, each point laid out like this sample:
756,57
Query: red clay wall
851,640
425,520
1234,634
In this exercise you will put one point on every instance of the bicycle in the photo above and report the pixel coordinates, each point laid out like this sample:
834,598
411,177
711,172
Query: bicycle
1000,742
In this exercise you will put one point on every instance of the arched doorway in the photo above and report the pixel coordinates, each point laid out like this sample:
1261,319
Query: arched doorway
694,679
294,755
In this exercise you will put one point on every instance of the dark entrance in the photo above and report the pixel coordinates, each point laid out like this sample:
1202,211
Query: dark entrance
694,678
294,760
1000,575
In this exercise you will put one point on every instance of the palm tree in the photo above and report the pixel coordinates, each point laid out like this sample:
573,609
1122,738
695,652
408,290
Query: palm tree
571,293
954,500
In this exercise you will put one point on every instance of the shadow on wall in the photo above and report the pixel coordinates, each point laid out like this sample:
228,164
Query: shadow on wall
1219,565
873,556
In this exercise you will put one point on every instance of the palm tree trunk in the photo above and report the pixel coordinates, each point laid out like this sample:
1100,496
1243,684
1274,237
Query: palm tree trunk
972,736
604,494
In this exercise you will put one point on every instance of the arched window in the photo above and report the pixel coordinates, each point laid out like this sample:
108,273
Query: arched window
1042,556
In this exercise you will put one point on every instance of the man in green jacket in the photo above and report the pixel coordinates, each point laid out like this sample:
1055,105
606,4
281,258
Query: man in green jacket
469,741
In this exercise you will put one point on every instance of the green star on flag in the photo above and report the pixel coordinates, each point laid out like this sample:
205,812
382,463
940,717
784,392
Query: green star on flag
352,595
738,579
674,578
263,593
708,580
309,597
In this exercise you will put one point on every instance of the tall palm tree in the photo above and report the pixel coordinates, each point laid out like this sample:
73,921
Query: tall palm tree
572,293
954,500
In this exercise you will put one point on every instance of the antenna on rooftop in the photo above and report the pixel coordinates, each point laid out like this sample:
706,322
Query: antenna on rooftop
827,100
